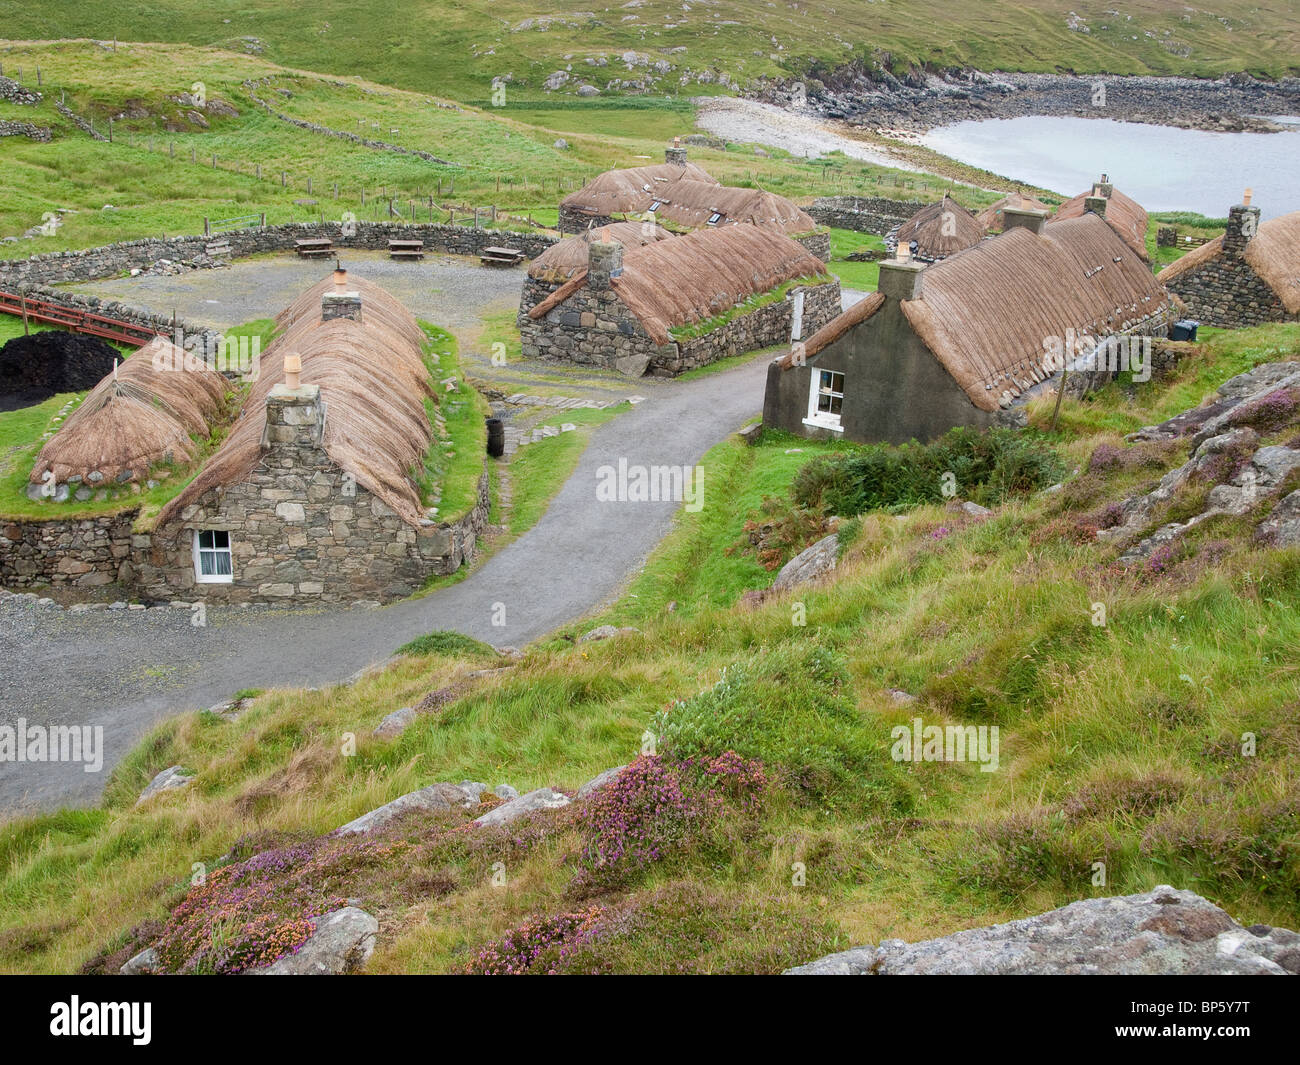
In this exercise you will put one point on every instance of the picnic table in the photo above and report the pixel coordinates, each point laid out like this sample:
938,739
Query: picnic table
406,249
501,257
313,247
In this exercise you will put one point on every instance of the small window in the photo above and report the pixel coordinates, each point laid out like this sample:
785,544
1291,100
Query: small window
212,559
826,402
714,218
655,206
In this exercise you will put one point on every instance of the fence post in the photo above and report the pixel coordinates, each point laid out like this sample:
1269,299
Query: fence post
206,231
309,186
263,219
110,130
193,154
23,301
284,179
336,190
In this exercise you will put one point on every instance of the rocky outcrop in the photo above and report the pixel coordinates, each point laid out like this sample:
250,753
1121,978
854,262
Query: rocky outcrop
809,564
433,798
342,943
599,781
170,779
541,799
1162,932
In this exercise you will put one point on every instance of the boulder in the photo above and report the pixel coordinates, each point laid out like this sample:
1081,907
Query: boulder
1162,932
434,797
146,963
632,365
1282,527
505,791
395,724
605,632
342,943
809,564
473,789
599,781
541,799
169,779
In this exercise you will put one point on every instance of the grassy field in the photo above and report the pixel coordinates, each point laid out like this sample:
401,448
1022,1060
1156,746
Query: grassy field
457,50
984,621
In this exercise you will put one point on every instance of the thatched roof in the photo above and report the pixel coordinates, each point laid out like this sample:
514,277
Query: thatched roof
688,197
373,382
987,312
160,399
1123,214
991,217
561,261
699,275
1273,253
632,189
941,229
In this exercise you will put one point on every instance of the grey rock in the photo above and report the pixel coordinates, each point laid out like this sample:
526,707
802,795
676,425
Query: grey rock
973,509
1282,527
809,564
599,781
605,632
145,963
434,797
632,365
342,943
169,779
1272,464
541,799
473,790
1162,932
505,791
394,724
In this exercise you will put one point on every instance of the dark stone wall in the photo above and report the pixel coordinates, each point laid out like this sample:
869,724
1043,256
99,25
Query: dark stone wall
863,214
67,552
1226,292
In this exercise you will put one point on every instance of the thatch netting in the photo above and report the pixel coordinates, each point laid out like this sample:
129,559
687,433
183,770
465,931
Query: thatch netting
561,261
836,328
988,313
991,217
1123,214
693,203
941,229
373,382
632,189
699,275
1273,253
160,399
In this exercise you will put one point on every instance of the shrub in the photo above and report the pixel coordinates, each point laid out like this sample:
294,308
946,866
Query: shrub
539,945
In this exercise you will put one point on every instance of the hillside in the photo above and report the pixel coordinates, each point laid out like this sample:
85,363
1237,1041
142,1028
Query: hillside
457,49
770,825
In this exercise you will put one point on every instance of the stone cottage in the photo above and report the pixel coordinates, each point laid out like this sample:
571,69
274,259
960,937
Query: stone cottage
675,304
937,230
311,496
685,197
962,341
561,262
1248,276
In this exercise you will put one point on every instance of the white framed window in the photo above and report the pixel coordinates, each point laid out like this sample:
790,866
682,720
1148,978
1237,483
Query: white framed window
826,399
714,218
212,557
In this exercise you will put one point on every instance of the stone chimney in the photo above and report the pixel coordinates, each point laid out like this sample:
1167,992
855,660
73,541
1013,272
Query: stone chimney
900,278
1243,224
675,153
1103,187
1096,204
1023,218
294,417
604,262
342,301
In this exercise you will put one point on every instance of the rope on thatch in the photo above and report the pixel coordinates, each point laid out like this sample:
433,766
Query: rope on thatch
620,191
151,409
373,382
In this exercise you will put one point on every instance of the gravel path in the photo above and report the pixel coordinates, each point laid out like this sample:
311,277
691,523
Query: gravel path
126,670
751,122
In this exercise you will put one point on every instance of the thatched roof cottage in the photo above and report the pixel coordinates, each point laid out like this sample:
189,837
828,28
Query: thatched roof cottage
1248,276
685,196
964,340
311,495
671,305
937,230
1122,213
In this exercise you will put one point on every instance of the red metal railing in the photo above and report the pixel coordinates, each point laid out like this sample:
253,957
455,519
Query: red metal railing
78,321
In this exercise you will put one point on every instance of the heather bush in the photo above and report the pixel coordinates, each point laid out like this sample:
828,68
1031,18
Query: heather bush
1270,412
541,945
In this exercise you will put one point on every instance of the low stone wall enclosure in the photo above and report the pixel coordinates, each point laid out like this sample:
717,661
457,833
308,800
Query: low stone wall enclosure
863,214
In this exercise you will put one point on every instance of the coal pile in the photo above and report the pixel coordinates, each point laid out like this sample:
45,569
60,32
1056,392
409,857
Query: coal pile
34,368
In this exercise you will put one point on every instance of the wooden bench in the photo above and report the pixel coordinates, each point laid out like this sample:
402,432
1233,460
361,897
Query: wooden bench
314,248
501,257
406,249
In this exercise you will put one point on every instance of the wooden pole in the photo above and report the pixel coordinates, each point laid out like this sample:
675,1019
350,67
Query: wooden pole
1060,395
26,329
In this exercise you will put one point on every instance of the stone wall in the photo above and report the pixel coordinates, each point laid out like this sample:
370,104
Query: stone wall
112,260
816,243
1226,292
25,129
66,552
863,214
301,529
593,327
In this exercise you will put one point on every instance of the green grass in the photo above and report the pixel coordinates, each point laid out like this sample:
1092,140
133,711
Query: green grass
1119,743
861,275
454,464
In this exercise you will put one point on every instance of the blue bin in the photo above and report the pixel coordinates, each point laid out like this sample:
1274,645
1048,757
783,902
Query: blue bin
1184,329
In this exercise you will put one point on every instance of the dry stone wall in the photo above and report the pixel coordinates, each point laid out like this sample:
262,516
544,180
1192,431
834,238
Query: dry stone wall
863,214
67,552
1226,292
